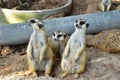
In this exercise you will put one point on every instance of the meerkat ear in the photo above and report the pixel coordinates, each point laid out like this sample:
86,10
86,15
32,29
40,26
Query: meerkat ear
87,25
53,34
40,25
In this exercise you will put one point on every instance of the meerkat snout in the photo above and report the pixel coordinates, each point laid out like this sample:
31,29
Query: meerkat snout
81,23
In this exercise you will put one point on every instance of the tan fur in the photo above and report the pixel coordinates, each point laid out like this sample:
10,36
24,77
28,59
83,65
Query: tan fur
39,53
74,55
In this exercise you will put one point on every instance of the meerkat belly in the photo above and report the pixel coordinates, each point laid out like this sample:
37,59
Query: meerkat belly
74,46
36,54
38,44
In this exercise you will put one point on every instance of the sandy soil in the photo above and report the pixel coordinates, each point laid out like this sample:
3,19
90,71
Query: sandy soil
100,65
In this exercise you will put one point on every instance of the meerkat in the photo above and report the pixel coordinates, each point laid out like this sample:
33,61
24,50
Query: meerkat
74,55
112,43
117,8
105,5
39,53
58,42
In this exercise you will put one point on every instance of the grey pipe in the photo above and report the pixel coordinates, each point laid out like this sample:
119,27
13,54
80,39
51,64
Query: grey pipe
11,34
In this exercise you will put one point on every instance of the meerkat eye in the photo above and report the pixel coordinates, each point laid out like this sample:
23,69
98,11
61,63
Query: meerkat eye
59,35
82,22
76,21
32,21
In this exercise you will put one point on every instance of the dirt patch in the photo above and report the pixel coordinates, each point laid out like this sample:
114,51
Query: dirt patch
32,4
100,65
12,63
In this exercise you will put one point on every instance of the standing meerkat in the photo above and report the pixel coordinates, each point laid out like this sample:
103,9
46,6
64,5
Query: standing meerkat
58,42
39,54
105,5
74,55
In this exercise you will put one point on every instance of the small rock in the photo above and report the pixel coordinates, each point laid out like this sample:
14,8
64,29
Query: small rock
6,50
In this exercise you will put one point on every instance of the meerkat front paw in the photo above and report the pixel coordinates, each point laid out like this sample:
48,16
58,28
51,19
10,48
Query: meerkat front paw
41,58
46,75
76,58
64,74
65,56
34,74
76,75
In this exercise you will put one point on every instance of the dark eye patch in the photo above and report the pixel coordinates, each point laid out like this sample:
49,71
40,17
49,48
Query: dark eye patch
82,22
32,21
59,35
87,25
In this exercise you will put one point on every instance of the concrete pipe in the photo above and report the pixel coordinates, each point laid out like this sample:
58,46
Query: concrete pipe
12,34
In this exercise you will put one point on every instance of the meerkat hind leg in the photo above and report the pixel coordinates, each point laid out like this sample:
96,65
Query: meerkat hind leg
32,68
76,75
64,74
48,68
63,69
82,65
33,72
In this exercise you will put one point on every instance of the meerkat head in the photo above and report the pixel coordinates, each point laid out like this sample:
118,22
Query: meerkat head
59,35
35,23
81,23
